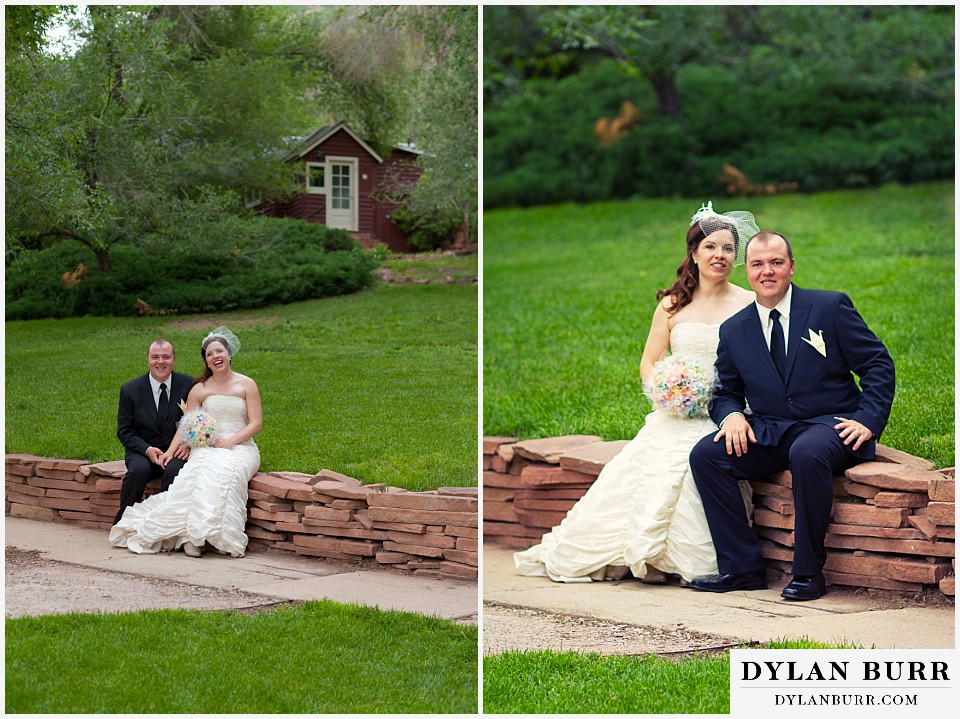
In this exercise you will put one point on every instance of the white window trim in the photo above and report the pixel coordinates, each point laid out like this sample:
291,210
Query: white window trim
306,180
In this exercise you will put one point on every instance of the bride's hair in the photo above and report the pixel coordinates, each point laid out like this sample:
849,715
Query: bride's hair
207,372
688,275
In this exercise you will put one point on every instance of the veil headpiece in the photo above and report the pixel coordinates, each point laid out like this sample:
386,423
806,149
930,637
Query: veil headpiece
222,333
740,223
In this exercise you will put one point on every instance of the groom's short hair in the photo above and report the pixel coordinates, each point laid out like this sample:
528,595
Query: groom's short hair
764,236
161,341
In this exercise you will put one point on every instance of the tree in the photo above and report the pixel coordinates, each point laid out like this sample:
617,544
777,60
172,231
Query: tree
160,119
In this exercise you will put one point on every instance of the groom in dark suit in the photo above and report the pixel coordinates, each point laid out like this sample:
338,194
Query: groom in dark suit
790,357
146,422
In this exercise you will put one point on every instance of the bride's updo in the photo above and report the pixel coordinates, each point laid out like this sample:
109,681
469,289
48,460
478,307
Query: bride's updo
225,337
704,223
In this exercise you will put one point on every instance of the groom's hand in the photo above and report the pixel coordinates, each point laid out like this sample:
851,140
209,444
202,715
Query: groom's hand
154,454
852,431
738,434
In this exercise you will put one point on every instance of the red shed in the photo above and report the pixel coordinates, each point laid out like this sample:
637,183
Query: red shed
346,184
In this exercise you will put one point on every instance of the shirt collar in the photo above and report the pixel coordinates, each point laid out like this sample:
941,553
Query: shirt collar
155,384
783,306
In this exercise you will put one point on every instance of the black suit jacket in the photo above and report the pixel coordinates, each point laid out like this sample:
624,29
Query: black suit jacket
817,387
138,425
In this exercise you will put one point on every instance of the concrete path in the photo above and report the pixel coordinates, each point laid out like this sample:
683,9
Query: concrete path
271,573
746,616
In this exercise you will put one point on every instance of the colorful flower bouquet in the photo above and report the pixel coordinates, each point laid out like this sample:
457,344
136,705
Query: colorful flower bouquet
680,387
197,428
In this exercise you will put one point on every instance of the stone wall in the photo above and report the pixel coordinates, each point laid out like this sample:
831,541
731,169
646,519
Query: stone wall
324,515
892,525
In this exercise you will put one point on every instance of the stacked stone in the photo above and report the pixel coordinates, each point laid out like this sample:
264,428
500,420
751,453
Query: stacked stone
325,514
892,528
892,524
528,487
428,532
53,490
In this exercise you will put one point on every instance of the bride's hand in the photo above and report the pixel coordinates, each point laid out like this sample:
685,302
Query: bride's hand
164,459
224,443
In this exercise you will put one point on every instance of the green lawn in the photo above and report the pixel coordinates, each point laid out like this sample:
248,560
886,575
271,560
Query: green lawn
546,682
318,658
569,293
380,385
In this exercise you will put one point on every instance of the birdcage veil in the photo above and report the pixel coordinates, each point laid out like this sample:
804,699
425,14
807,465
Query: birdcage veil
741,224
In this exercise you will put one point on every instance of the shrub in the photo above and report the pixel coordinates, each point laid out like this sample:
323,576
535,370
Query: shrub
235,264
427,230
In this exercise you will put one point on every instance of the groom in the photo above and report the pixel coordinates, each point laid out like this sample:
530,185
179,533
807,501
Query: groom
146,422
791,357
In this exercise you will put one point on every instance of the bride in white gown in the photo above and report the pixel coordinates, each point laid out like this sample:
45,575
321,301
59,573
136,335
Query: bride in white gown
207,503
643,514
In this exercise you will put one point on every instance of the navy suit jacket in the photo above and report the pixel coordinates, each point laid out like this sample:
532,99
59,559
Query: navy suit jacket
138,425
817,388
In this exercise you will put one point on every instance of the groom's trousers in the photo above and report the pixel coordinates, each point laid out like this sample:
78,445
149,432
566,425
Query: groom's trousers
813,453
140,472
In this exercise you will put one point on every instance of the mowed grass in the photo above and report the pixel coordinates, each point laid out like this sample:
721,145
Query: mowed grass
569,294
318,658
380,385
547,682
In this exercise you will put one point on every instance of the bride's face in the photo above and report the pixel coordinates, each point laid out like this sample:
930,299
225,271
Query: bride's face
217,357
715,255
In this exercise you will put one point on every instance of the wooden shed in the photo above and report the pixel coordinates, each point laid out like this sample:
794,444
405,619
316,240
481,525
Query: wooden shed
348,185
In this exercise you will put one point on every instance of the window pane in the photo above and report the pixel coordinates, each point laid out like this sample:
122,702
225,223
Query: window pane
315,176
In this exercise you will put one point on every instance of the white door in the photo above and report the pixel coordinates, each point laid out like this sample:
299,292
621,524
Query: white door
342,193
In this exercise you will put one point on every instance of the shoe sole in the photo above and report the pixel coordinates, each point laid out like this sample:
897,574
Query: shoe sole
802,599
748,587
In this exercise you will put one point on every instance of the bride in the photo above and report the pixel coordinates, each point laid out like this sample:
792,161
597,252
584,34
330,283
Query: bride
208,501
643,513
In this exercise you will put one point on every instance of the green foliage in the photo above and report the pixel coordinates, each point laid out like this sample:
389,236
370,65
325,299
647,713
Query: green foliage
317,658
569,293
824,97
380,385
427,230
210,267
548,682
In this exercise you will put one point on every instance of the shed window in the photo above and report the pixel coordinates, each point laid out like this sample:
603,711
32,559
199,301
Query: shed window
315,177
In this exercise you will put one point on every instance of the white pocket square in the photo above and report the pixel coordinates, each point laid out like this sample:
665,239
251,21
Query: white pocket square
816,341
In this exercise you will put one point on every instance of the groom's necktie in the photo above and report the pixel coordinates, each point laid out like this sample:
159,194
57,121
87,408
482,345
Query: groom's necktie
777,344
164,402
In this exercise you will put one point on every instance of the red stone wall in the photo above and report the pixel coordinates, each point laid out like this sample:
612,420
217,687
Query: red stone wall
325,515
893,519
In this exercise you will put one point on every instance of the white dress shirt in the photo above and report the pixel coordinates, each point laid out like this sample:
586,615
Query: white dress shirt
155,386
783,306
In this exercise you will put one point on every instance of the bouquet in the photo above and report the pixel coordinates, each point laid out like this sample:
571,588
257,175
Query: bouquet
680,387
197,427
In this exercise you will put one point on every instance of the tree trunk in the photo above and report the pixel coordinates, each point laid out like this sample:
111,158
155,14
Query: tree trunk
668,99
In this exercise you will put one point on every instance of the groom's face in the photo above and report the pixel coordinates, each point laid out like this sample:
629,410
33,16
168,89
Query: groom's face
160,359
769,269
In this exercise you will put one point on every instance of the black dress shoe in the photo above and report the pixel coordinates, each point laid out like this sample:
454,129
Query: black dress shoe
731,582
804,588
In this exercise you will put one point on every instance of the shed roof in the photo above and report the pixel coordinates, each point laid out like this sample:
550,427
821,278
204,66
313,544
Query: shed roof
325,133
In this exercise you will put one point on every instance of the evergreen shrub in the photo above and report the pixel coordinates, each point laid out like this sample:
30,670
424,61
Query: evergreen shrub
234,264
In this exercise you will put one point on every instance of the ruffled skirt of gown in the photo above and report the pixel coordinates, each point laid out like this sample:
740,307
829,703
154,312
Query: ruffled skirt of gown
207,501
644,509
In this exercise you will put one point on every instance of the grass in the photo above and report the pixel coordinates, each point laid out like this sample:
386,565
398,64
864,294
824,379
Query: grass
433,266
380,385
317,658
548,682
569,293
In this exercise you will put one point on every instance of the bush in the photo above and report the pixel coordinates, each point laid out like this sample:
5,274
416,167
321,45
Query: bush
427,230
236,264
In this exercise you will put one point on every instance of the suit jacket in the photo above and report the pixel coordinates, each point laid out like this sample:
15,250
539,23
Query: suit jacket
817,387
138,425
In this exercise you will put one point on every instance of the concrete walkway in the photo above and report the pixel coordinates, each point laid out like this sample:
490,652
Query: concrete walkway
270,573
745,616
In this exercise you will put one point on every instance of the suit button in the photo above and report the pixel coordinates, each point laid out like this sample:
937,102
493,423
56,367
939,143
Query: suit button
789,400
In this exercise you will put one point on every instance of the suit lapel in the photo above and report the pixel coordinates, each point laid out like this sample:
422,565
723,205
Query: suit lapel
799,314
754,333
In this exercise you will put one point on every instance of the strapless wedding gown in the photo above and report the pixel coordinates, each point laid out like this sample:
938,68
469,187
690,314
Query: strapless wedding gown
644,508
207,502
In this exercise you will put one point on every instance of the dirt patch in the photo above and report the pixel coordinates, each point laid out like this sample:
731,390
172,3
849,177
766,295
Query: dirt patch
507,628
206,324
36,586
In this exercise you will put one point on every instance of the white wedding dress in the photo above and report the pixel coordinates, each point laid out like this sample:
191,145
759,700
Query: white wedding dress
644,508
207,502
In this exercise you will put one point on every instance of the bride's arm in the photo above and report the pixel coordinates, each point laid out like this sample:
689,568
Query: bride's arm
658,340
254,414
